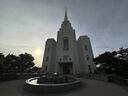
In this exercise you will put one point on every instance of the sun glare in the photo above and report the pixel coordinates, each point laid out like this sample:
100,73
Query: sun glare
38,52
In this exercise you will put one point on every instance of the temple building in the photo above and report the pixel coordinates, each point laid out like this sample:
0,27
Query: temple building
68,55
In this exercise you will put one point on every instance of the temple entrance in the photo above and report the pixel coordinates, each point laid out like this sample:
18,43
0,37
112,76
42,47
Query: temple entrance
66,68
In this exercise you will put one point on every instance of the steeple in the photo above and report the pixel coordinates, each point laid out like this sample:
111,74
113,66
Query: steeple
66,17
66,23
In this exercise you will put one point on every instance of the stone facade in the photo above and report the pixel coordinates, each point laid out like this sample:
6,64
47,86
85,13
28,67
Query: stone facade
68,55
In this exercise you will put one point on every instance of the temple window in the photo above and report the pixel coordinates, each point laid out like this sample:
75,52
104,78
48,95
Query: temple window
86,48
87,57
66,44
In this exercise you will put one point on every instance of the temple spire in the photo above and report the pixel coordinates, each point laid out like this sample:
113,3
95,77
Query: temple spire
66,17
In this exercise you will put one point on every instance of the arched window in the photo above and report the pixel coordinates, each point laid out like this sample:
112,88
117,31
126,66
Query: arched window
66,44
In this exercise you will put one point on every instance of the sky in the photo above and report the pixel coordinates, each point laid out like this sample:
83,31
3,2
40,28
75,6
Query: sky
25,25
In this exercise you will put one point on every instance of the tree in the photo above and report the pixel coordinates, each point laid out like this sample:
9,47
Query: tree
1,63
36,69
25,62
114,62
33,69
11,63
123,54
122,68
106,61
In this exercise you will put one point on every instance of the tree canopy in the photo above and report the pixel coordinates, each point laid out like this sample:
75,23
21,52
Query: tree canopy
1,63
13,63
113,62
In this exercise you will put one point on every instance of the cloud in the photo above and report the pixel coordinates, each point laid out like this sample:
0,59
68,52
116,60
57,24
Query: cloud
26,24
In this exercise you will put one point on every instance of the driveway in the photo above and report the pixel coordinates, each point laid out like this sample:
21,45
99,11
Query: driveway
90,88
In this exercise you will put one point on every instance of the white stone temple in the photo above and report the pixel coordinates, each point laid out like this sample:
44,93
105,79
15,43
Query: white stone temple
68,55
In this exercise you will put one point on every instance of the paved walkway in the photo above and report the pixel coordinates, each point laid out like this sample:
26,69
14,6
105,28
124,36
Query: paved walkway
91,88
